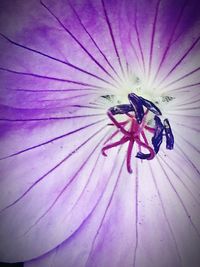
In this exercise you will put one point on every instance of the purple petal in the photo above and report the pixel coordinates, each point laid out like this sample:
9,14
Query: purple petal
61,201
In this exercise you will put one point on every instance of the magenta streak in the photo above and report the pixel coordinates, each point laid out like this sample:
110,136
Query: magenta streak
140,128
134,134
117,124
134,126
144,137
149,129
111,137
122,141
129,153
116,132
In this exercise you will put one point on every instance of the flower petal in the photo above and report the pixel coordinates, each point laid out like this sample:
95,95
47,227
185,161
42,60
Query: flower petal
61,200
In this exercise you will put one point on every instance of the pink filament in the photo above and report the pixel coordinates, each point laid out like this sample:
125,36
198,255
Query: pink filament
132,135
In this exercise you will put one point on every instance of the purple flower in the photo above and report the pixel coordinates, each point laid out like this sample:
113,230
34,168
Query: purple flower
65,66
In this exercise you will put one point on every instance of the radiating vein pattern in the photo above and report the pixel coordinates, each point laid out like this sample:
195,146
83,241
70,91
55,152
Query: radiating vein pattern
82,78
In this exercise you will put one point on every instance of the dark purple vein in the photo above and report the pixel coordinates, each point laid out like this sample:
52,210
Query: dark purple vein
134,50
138,39
51,90
165,214
179,198
46,77
52,118
186,126
88,181
51,140
184,114
76,40
180,180
53,169
92,39
180,60
182,154
67,98
106,209
183,77
85,220
193,97
153,36
180,166
184,109
136,215
111,34
53,58
67,184
183,87
85,106
189,143
184,106
170,39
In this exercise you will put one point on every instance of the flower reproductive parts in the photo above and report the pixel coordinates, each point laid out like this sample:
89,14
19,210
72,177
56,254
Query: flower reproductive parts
137,128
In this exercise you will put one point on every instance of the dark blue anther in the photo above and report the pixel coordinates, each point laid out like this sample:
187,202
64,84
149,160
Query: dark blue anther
137,106
141,155
158,135
169,135
121,109
150,106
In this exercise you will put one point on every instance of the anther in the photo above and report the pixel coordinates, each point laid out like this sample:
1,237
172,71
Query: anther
121,109
138,119
158,134
169,135
141,155
150,106
137,106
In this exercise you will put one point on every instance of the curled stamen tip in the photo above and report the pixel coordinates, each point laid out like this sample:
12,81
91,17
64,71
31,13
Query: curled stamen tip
130,170
103,153
141,155
121,109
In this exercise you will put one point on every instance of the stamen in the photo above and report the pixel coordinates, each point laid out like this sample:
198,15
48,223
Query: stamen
116,132
141,155
138,120
130,145
121,109
151,106
117,124
169,135
150,155
137,106
158,135
122,141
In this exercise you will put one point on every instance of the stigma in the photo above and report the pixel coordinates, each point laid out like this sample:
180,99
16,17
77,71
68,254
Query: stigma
141,127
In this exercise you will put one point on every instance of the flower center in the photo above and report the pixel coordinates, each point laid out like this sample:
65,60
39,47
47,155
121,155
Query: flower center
134,128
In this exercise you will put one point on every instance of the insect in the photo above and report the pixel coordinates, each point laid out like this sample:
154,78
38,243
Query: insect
137,112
